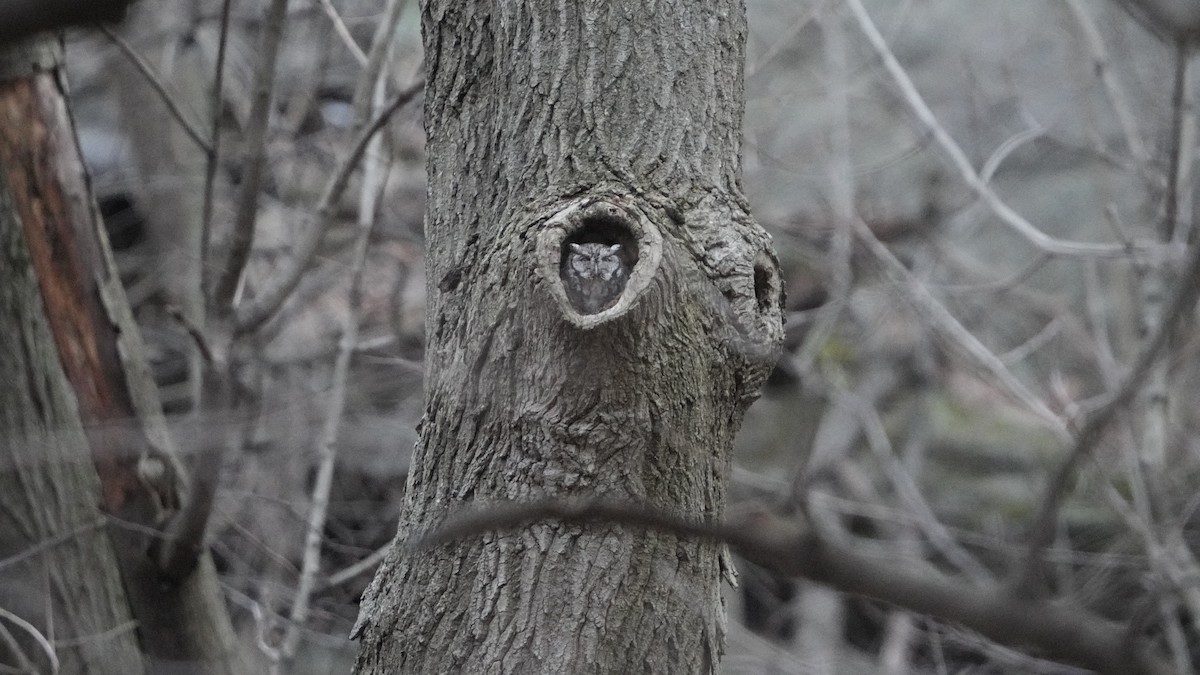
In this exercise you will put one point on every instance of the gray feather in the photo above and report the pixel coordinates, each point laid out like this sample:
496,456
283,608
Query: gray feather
594,276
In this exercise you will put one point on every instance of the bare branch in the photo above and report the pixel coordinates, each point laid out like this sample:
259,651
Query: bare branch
37,636
194,332
841,189
265,305
1170,561
920,108
48,543
328,448
1098,323
183,539
1024,350
785,41
1001,285
1042,533
1112,87
1169,20
1006,148
344,32
953,332
381,43
1059,631
23,664
1181,134
210,168
361,567
924,520
159,88
256,157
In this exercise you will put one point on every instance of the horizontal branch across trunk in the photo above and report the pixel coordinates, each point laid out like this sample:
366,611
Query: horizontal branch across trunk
1053,629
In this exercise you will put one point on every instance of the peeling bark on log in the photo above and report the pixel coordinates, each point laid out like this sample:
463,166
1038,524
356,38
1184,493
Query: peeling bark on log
181,625
58,573
548,124
48,493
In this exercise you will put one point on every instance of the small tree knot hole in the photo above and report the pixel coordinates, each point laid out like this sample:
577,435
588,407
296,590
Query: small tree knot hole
768,288
596,260
598,256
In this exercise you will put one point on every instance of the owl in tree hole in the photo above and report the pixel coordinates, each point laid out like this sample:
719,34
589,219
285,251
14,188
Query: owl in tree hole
594,276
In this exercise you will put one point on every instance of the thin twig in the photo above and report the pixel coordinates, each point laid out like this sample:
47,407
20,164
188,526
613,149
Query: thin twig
1042,532
920,108
785,40
900,636
364,89
159,88
264,306
210,167
1167,20
344,32
924,520
98,638
1006,148
327,451
38,637
1175,169
194,332
1023,351
1185,202
1098,323
841,189
242,237
1173,632
48,543
1112,87
263,624
1001,285
842,186
361,567
1170,558
373,186
1180,573
953,332
1147,366
17,652
269,300
1152,457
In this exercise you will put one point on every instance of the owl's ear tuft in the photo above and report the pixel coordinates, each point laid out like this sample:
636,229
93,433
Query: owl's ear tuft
612,249
575,247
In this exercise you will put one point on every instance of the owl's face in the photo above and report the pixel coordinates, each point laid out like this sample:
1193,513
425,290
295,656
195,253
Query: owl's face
596,261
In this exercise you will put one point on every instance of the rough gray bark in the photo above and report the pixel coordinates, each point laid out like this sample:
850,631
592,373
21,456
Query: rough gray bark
549,123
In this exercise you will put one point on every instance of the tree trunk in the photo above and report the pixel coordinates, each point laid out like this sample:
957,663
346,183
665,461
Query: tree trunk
182,622
552,124
58,573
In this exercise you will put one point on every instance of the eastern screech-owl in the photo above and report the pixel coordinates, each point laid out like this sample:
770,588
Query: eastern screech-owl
594,276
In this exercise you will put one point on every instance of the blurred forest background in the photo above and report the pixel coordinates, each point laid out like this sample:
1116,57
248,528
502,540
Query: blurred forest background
981,210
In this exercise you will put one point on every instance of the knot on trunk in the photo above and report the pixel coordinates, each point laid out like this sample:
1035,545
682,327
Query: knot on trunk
597,256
